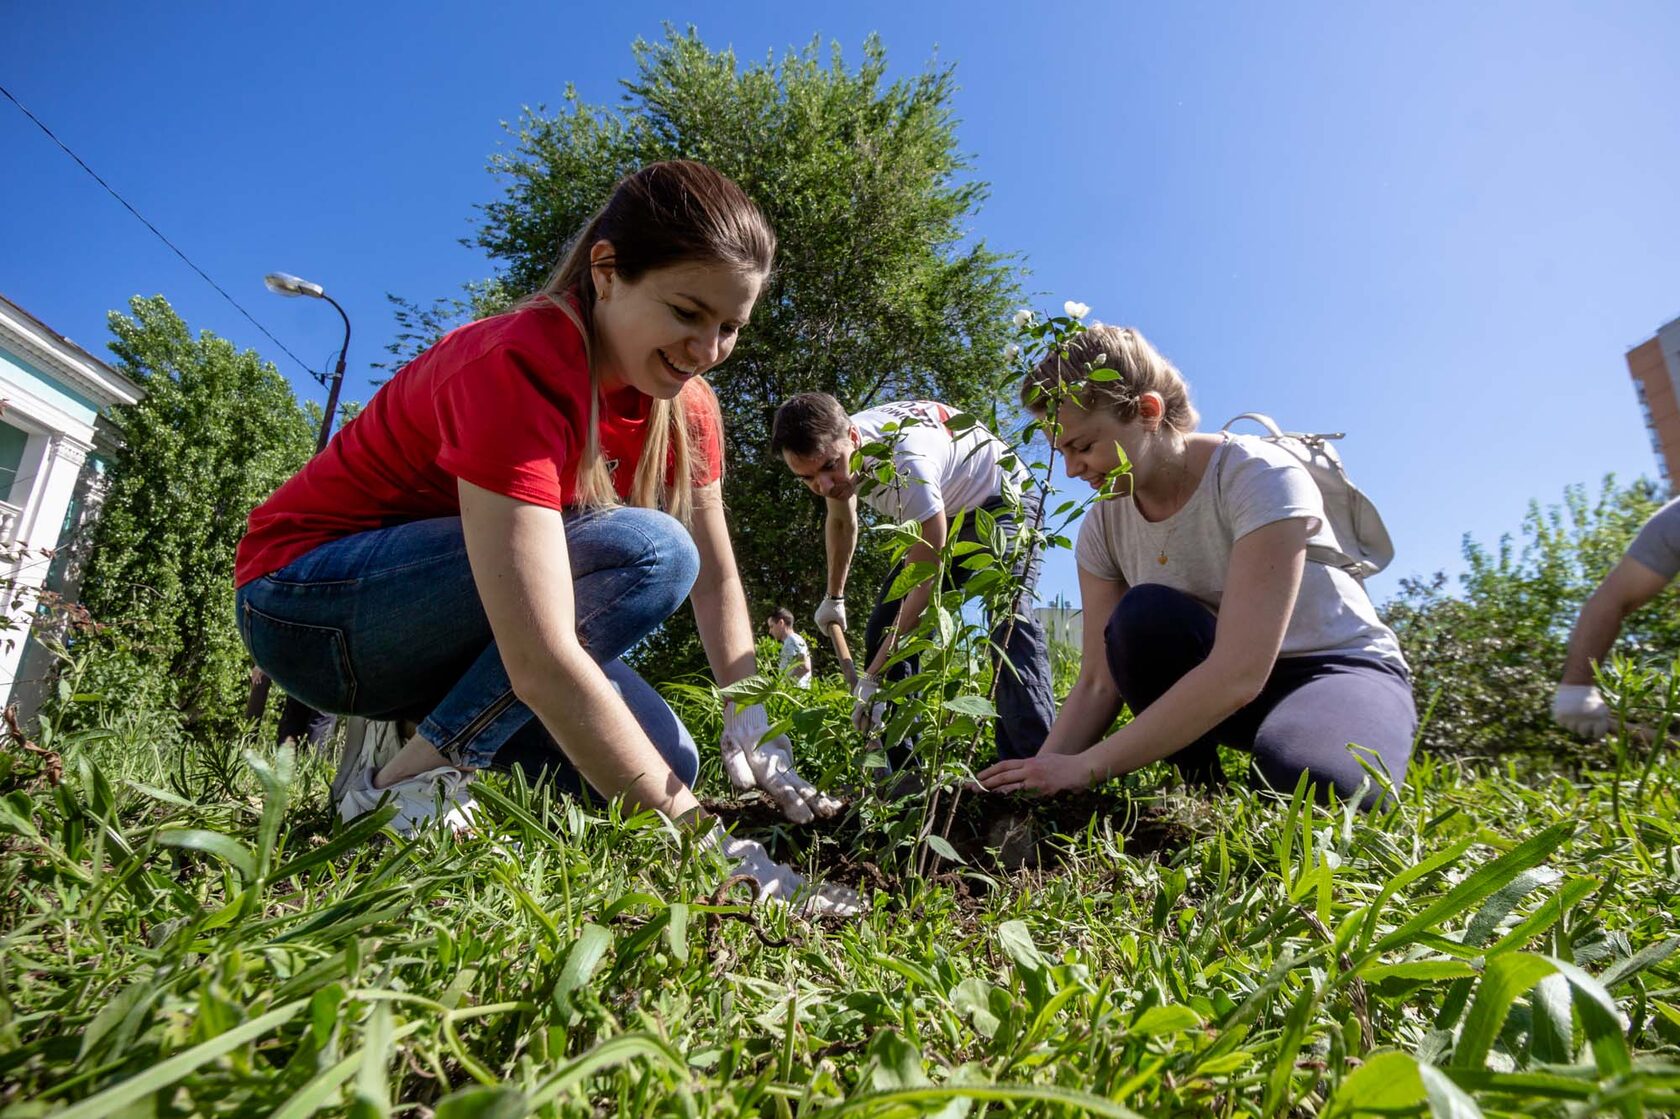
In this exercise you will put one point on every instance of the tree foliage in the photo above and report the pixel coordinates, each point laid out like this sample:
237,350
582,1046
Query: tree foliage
215,433
1489,658
880,292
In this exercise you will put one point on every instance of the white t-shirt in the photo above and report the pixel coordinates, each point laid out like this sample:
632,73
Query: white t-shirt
1658,544
795,651
936,470
1249,483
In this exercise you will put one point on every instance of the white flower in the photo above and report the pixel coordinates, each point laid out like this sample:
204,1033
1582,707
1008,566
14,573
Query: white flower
1076,310
1011,351
1023,317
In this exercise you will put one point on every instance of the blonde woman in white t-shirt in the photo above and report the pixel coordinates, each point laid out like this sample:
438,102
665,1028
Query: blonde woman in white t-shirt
1202,611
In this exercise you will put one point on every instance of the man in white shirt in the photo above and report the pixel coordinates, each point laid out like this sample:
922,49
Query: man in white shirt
1651,562
796,653
937,472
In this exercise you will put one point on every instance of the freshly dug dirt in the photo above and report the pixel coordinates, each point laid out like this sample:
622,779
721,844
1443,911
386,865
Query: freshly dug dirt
996,835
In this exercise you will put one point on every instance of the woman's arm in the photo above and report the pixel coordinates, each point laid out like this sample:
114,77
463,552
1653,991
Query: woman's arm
524,578
910,607
1261,583
720,603
1094,701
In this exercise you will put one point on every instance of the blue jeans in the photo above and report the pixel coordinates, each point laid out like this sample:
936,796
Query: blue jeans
387,624
1311,708
1026,704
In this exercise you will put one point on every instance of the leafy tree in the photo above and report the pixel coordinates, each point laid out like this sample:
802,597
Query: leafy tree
879,293
1489,658
215,433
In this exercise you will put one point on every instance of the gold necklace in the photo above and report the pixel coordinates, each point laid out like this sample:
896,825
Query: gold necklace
1172,529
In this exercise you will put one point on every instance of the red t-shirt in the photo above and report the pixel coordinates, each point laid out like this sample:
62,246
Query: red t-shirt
501,403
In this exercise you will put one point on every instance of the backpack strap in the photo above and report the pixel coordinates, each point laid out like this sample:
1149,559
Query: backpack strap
1260,418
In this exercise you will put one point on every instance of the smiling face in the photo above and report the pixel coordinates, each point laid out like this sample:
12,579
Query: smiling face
1087,442
657,333
828,472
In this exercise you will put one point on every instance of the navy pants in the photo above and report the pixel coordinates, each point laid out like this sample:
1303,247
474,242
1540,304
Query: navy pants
1026,705
1303,720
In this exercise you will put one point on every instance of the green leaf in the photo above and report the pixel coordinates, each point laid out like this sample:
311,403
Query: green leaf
1552,1031
895,1062
167,1072
1072,1102
1600,1020
112,1014
608,1054
942,847
352,837
1419,970
1388,1083
1446,1099
1164,1021
1480,884
907,580
1017,944
372,1099
973,998
585,956
223,847
1505,978
976,705
1649,956
483,1102
676,931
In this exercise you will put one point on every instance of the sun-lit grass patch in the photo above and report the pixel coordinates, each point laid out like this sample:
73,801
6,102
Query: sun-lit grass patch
195,938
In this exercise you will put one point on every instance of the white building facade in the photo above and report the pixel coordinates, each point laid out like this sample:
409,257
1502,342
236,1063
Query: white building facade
53,395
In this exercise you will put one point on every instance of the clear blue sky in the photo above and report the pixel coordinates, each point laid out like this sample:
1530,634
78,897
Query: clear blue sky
1435,226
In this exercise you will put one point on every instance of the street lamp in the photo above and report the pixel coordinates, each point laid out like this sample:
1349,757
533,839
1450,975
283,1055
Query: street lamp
280,283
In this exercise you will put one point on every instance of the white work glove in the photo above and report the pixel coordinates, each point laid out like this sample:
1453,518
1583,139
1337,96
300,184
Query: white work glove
867,717
753,763
1580,710
779,883
831,612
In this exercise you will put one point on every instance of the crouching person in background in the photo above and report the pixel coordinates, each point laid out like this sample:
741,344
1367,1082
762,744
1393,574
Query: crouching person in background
1202,612
519,506
937,474
1651,562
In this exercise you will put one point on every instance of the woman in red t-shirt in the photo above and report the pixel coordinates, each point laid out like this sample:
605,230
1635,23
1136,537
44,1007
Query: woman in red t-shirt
480,545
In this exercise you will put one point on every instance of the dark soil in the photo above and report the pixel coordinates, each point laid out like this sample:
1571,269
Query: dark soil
996,835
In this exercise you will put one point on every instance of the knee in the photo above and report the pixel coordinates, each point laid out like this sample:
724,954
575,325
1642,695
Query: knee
683,756
665,548
1148,615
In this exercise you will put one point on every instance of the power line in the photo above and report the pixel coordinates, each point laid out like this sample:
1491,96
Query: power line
159,233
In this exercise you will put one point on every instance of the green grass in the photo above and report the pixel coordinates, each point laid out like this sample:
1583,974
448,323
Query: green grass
188,933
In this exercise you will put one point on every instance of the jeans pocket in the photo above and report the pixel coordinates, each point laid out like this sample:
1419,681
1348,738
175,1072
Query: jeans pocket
311,663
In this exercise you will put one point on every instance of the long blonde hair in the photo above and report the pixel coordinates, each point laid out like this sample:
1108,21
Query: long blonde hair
666,213
1140,366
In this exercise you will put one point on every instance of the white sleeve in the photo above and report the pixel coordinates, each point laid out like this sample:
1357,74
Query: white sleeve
917,458
1658,544
1094,550
1267,485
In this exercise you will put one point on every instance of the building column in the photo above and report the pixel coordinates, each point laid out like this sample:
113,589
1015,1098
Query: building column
39,527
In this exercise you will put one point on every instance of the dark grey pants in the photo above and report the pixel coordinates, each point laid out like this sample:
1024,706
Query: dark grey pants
1303,720
1025,703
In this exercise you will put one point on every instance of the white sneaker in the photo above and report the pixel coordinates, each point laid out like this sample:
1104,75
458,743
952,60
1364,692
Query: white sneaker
368,744
439,795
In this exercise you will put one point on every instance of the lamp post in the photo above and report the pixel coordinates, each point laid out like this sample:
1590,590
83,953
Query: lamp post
280,283
304,722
